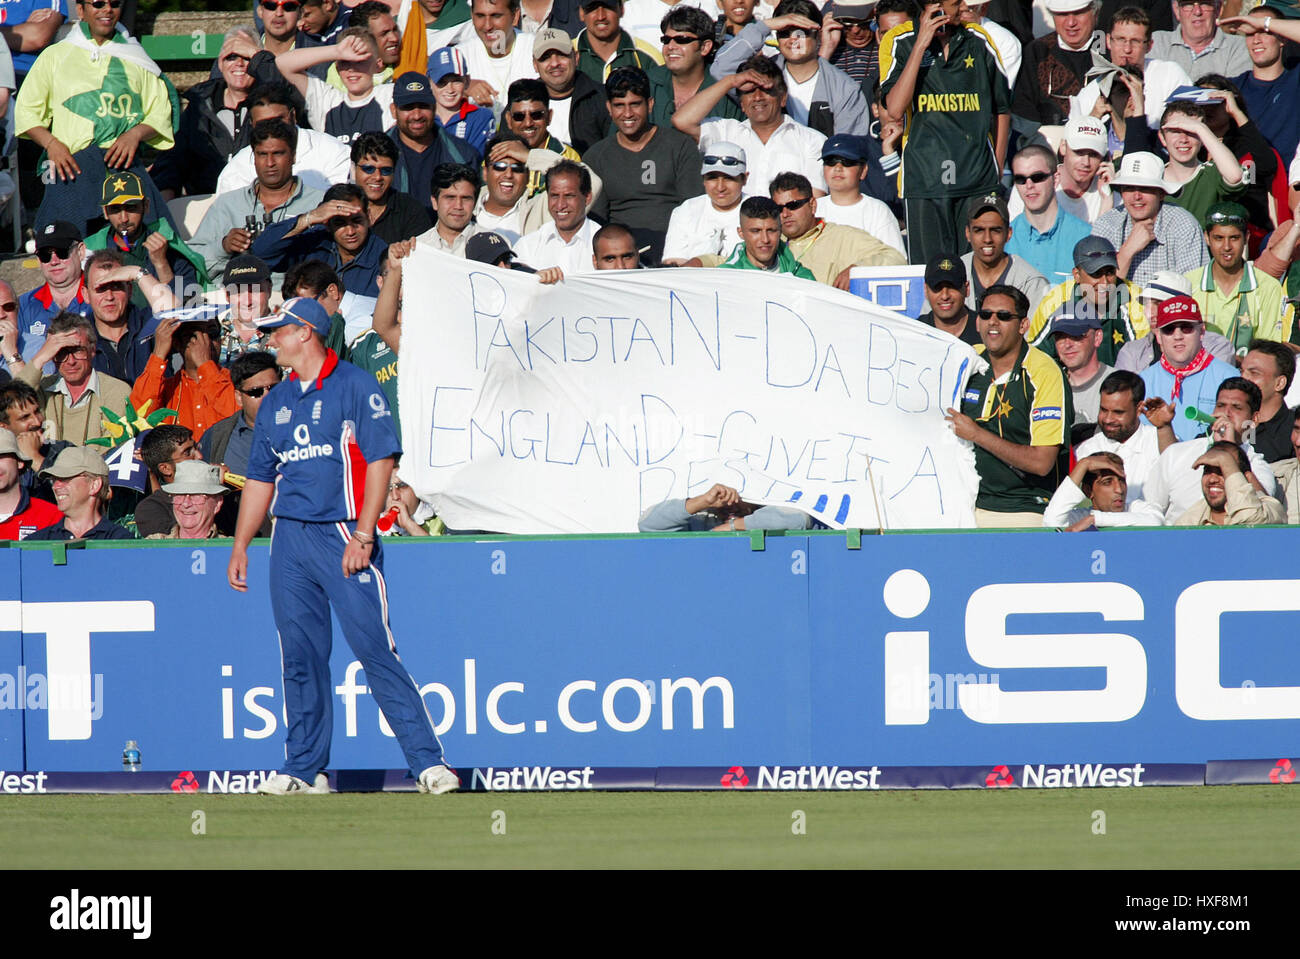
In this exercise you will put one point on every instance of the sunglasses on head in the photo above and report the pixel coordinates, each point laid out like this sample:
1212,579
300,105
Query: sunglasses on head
1023,178
519,116
794,204
1004,316
370,169
288,6
1184,328
725,161
1226,219
682,40
502,165
47,253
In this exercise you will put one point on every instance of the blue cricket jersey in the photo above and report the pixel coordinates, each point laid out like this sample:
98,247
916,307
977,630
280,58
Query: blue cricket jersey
314,445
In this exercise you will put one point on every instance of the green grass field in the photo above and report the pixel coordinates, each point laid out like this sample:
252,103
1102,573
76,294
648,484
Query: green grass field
1221,827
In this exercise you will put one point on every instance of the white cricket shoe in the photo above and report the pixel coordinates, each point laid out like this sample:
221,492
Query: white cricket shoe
282,784
438,780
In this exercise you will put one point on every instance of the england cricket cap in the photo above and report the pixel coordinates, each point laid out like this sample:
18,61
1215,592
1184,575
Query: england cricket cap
945,270
1066,319
302,310
60,233
1141,170
1165,284
1067,6
412,89
1087,133
1177,309
121,187
552,38
74,461
726,158
982,204
447,62
1093,254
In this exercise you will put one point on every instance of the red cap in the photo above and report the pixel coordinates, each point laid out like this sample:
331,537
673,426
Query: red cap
1177,309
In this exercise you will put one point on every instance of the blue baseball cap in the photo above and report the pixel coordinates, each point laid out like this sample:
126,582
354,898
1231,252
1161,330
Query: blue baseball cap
844,145
412,88
447,62
302,310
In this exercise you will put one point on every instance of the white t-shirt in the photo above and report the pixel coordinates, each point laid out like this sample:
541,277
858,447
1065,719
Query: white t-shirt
544,248
868,215
791,146
801,94
499,72
697,228
559,125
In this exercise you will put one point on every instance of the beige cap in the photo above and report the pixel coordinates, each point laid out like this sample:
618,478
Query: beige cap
9,445
552,38
76,460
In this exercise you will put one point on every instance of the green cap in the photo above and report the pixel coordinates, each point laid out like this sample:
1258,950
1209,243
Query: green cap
1226,214
121,187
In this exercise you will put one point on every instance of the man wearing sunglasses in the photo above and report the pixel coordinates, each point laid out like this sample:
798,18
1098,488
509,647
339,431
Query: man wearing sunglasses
1043,235
60,106
394,215
230,441
504,204
1186,375
849,43
1017,413
59,250
686,37
528,114
821,96
279,19
1236,299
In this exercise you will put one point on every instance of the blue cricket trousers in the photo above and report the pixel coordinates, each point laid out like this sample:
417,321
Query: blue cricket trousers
306,580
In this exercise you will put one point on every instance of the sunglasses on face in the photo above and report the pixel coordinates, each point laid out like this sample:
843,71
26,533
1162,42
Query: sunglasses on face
725,161
370,169
288,6
794,204
255,392
1184,328
1023,178
519,116
681,41
502,165
10,307
235,58
840,161
853,24
339,222
47,253
101,4
1005,316
794,33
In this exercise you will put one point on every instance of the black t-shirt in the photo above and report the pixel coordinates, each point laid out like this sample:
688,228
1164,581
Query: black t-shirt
1273,439
403,218
968,335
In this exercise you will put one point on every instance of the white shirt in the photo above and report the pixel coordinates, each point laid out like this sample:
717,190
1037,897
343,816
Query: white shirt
434,239
641,18
1174,487
791,146
544,248
869,215
358,313
509,225
322,98
559,125
1160,78
800,95
1064,509
499,72
1008,48
320,161
697,228
1139,453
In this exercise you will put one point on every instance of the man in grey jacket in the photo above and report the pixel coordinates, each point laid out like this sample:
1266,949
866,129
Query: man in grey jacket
822,96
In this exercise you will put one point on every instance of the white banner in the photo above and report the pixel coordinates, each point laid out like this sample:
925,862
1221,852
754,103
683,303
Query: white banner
573,408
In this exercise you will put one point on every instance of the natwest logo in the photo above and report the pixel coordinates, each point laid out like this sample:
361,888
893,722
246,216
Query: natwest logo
1082,774
1283,772
185,783
734,778
999,776
817,777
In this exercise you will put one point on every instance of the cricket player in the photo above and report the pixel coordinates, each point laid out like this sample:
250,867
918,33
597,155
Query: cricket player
323,455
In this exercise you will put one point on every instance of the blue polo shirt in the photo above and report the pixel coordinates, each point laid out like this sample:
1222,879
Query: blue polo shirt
1273,106
126,359
1200,390
35,310
314,444
16,12
1050,253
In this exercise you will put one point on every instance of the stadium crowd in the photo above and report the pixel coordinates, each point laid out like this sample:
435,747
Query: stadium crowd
1103,197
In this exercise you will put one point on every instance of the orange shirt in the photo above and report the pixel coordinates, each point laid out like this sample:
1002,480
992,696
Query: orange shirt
199,403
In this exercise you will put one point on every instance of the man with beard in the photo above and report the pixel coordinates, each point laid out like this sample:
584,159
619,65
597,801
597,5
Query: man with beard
1121,430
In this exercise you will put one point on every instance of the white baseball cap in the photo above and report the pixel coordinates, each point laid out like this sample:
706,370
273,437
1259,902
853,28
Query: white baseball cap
1067,6
1087,133
1166,284
1141,170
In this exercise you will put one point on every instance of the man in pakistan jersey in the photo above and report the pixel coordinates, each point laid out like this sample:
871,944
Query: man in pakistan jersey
946,81
323,450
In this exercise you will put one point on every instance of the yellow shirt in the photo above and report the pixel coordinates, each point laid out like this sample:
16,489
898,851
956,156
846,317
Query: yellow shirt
828,248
